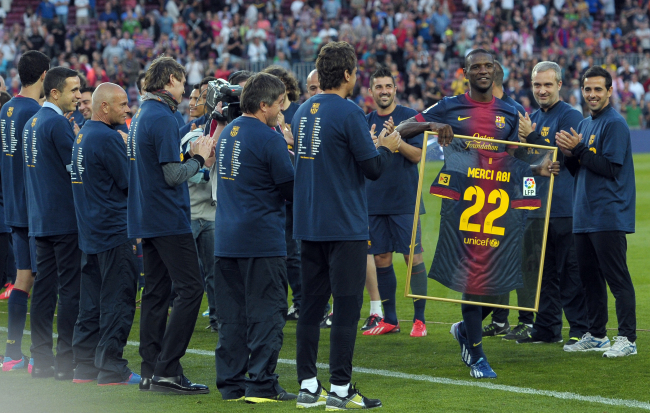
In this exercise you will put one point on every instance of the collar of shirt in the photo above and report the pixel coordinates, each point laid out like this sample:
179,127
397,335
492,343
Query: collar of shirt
53,107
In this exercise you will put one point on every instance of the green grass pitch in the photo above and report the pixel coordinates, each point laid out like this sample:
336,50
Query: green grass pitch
429,360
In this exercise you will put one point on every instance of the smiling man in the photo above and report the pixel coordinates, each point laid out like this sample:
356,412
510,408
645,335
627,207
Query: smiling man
86,103
599,156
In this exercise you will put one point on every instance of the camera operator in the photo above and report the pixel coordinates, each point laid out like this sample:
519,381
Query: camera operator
159,213
253,170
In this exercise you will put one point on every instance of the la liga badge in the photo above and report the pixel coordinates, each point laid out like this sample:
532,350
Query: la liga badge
529,186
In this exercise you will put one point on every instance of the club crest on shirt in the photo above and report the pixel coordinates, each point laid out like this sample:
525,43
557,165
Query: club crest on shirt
545,130
34,122
234,131
500,122
10,111
314,108
79,138
591,139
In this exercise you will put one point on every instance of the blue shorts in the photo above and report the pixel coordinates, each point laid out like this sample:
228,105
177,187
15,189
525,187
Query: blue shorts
24,249
392,233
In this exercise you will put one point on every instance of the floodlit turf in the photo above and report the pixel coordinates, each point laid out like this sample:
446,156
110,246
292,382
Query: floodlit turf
533,366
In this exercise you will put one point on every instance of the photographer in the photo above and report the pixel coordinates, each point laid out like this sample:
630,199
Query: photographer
253,170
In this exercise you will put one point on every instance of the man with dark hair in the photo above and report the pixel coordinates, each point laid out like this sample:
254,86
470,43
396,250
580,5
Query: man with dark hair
391,203
599,156
200,108
334,154
469,114
48,148
289,108
109,268
159,213
250,267
236,78
85,103
32,68
561,284
140,85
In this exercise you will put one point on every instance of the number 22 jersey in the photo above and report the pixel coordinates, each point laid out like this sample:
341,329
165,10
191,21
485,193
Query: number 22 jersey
482,221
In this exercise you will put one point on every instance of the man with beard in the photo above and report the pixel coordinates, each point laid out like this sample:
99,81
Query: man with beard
391,204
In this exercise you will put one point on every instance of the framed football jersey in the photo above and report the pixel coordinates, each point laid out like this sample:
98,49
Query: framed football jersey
484,236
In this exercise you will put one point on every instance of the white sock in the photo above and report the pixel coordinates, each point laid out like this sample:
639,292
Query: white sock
500,324
375,308
341,391
310,384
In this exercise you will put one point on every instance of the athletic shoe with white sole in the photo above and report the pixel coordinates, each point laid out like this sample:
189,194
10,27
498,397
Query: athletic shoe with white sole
292,313
621,348
571,342
419,329
327,321
282,397
354,400
371,322
464,345
307,399
589,343
493,329
520,332
382,328
482,370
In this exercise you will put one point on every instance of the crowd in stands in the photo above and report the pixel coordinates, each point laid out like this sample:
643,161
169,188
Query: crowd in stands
421,41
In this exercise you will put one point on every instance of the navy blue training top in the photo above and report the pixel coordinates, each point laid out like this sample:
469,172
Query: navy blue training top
100,179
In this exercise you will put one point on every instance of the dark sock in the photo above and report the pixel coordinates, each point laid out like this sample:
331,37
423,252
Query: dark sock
387,284
17,316
419,287
473,323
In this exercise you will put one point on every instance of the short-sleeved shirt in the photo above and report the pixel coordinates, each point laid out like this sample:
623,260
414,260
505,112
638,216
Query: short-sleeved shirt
560,117
100,179
488,120
13,117
395,192
47,146
482,225
290,112
155,209
252,160
332,138
600,203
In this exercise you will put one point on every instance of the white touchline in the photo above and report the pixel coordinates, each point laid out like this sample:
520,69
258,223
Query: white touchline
453,382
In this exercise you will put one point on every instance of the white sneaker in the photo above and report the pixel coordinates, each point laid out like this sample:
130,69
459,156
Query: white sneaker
621,348
589,343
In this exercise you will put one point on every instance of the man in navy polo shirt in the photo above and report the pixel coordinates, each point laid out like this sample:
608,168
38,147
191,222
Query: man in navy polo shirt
159,213
32,67
109,268
198,107
599,156
334,153
255,177
48,137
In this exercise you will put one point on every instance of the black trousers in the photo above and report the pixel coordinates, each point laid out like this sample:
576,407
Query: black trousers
561,286
5,252
58,258
251,306
336,268
293,259
106,310
162,344
602,261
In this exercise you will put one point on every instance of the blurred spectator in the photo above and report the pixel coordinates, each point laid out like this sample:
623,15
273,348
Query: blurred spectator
82,10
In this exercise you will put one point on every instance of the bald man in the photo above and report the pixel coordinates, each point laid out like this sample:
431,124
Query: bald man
100,178
313,84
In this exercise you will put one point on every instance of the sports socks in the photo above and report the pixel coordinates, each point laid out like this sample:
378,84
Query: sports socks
17,317
341,391
473,325
419,287
375,308
387,284
310,384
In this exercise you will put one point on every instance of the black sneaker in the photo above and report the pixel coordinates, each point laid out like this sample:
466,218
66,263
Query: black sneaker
307,399
531,340
327,321
354,400
292,314
493,329
520,332
371,322
282,397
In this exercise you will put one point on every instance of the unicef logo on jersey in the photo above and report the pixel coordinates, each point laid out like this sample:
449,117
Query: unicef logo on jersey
529,186
493,243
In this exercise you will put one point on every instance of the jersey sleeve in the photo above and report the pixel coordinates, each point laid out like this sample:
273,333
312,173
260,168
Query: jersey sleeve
615,138
166,139
358,135
116,161
434,113
450,180
279,161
